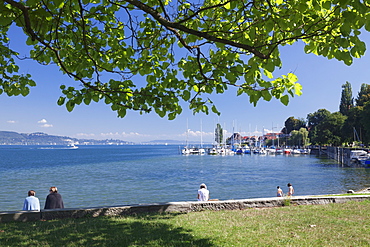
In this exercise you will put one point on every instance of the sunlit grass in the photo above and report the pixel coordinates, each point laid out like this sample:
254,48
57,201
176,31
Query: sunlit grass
345,224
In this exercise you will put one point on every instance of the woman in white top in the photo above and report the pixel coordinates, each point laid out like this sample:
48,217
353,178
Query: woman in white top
290,189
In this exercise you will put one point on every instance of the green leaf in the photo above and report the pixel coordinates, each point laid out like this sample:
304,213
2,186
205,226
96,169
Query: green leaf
278,2
171,116
214,110
122,112
95,97
266,95
61,101
87,100
326,5
268,73
345,29
30,42
186,95
298,89
160,112
70,105
367,25
285,100
25,91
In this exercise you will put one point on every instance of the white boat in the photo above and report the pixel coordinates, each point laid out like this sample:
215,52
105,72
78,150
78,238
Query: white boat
225,151
305,151
221,151
271,151
279,151
193,150
185,150
259,151
212,151
72,146
358,155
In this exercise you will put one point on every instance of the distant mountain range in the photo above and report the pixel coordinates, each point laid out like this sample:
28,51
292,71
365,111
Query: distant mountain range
39,138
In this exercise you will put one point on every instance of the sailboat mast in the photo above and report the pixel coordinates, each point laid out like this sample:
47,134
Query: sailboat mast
201,134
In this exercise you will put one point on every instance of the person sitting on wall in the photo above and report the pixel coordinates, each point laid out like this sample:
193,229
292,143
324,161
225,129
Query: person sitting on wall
203,193
31,202
279,192
54,199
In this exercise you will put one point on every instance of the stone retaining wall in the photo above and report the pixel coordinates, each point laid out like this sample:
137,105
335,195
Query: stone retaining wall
180,207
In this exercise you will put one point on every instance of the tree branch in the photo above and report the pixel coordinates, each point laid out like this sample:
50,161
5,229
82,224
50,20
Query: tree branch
168,24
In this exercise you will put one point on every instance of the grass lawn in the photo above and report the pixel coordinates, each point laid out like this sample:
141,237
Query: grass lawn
346,224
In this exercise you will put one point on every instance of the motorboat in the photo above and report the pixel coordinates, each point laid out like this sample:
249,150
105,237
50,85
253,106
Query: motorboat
72,146
358,155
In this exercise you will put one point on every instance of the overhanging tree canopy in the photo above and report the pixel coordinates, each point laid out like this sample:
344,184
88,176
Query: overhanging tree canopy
185,50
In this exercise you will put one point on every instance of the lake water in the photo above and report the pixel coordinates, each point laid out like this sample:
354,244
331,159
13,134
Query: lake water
120,175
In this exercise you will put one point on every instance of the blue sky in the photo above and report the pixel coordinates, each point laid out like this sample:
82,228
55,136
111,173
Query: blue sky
321,80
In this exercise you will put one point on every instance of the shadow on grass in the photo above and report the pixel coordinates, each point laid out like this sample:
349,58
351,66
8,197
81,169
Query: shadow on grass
152,230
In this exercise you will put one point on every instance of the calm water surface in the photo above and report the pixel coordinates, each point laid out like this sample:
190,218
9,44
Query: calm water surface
119,175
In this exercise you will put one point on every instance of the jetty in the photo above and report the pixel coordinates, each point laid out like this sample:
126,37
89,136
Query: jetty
340,154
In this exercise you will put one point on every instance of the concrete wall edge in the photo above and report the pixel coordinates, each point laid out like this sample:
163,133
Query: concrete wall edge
174,207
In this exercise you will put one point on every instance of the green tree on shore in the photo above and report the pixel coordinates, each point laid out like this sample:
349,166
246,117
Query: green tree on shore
219,135
358,118
365,122
293,124
146,55
326,127
299,137
346,101
363,95
352,122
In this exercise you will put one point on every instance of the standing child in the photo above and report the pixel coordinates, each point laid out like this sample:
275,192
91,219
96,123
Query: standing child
290,189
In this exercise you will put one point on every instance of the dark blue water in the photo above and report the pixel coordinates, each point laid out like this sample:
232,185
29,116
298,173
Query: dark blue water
119,175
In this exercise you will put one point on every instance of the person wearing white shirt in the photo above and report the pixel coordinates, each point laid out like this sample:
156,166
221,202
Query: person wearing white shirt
203,193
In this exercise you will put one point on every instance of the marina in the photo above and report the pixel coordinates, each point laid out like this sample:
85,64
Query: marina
93,176
227,150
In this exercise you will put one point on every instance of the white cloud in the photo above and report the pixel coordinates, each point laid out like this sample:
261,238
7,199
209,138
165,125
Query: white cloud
12,121
46,125
192,133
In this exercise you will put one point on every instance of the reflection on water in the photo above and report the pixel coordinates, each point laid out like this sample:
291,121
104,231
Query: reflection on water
120,175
